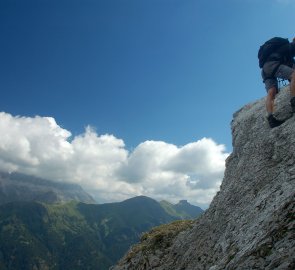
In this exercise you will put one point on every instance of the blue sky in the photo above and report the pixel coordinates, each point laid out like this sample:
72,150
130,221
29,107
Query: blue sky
169,70
141,70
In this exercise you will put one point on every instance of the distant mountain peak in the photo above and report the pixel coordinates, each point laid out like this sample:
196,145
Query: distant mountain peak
183,202
21,187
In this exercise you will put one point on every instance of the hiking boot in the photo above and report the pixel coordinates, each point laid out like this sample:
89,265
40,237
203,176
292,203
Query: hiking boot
273,122
292,101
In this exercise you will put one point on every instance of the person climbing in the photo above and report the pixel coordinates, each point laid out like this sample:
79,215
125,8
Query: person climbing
276,60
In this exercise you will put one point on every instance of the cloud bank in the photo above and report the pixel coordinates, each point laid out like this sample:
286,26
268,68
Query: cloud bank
103,166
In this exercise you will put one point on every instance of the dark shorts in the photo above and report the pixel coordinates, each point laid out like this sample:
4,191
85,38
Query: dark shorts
283,72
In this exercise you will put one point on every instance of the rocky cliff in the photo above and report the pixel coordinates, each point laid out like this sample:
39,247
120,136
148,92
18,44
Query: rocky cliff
250,223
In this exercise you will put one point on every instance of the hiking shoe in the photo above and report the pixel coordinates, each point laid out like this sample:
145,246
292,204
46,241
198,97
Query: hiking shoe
292,101
273,122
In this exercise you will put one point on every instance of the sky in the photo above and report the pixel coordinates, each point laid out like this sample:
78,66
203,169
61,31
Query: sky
130,97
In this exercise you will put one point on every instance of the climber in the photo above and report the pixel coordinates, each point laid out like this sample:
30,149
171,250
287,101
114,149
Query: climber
276,60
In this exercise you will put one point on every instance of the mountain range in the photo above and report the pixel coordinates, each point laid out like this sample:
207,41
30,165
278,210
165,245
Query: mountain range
21,187
70,234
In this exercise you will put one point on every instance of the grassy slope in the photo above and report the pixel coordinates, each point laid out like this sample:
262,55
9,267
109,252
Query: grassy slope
74,235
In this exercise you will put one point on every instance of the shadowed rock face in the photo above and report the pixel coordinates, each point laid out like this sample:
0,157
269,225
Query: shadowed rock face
251,221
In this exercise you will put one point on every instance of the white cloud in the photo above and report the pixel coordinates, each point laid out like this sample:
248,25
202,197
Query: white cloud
102,165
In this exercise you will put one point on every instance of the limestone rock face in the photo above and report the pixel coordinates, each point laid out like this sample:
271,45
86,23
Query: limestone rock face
250,223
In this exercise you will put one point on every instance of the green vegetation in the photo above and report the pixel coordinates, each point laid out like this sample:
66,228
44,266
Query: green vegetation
159,238
38,236
169,208
181,210
74,235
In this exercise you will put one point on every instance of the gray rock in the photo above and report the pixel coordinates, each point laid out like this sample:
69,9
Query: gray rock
251,221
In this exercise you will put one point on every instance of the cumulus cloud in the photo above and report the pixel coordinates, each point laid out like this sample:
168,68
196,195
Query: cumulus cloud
103,166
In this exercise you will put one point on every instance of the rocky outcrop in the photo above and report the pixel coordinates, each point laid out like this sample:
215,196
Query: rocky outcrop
250,223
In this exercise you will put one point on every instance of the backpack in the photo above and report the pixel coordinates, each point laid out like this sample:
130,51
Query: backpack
270,47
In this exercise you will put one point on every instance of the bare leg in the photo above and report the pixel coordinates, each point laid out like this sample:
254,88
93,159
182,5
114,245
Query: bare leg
271,94
292,84
270,107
